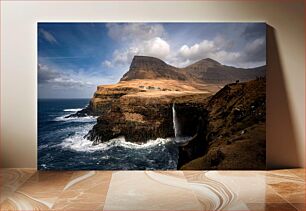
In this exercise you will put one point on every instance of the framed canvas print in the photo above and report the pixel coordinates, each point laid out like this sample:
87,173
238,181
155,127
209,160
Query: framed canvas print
151,96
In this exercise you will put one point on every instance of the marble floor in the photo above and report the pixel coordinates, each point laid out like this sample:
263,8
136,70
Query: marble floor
28,189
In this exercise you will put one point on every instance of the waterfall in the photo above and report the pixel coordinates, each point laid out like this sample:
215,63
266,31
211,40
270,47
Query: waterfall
179,139
175,122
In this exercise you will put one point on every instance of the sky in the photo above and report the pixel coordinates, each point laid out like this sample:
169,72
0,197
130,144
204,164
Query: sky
73,58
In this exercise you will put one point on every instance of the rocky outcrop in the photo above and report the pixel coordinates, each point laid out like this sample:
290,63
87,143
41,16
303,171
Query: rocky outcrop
137,115
138,120
87,111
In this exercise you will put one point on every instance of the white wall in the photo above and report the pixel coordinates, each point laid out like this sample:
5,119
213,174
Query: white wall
286,89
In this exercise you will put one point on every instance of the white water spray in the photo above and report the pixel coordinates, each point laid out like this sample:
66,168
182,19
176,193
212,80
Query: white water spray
175,122
179,139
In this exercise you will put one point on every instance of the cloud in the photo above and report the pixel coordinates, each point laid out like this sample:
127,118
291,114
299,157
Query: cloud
252,54
124,56
48,36
254,31
45,74
198,50
134,31
156,47
152,40
58,79
69,83
108,64
214,49
226,57
225,44
139,39
256,50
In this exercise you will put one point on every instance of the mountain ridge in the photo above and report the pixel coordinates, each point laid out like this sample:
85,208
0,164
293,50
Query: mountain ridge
203,71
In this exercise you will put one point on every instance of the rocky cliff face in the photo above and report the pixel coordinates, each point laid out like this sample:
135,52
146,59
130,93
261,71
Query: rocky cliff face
235,133
138,114
138,120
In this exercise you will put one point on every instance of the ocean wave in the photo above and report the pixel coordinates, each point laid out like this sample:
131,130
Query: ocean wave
79,144
75,119
43,146
73,109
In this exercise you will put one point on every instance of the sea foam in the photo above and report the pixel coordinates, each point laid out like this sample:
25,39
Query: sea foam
80,144
76,119
73,109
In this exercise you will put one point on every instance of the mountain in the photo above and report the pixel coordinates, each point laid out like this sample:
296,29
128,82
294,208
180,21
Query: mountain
211,71
145,67
204,71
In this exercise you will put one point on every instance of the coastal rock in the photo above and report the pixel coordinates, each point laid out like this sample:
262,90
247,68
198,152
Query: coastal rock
87,111
138,114
136,120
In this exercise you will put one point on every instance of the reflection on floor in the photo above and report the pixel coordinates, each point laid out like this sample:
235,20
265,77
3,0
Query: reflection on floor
26,189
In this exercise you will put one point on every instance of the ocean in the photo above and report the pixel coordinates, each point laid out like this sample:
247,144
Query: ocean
62,146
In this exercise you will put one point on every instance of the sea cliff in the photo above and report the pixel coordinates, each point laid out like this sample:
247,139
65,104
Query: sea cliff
225,118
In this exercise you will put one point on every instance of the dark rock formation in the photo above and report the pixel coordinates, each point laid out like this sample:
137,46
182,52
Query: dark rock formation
136,120
88,111
235,128
192,118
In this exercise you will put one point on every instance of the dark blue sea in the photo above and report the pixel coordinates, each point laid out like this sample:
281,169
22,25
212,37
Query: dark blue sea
62,146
